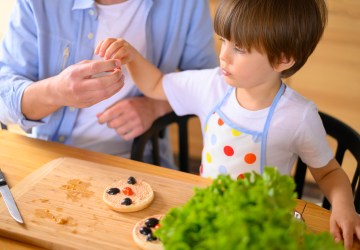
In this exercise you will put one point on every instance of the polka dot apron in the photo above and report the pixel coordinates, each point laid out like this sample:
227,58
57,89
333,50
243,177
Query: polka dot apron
230,149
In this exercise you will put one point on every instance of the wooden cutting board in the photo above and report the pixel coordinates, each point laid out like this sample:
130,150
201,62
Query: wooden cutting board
57,216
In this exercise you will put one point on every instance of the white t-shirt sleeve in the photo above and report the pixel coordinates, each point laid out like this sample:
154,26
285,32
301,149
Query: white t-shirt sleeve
310,139
194,91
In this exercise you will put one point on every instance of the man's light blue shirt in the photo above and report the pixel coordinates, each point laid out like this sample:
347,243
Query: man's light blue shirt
44,37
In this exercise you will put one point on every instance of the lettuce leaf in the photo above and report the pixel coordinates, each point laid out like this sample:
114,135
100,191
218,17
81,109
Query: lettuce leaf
250,213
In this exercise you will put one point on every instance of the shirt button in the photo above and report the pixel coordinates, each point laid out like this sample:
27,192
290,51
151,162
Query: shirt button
91,12
90,35
72,109
61,138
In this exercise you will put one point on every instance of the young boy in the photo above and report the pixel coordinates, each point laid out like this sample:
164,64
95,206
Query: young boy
249,117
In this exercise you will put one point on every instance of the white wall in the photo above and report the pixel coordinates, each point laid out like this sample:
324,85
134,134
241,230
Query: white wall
6,6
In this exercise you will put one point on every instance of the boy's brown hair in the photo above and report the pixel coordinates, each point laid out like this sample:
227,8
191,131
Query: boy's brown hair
278,28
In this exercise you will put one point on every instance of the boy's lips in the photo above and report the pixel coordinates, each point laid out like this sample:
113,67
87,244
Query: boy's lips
225,72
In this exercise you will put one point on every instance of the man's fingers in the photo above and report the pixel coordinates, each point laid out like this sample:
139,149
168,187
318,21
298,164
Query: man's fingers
99,94
92,97
84,62
111,90
112,112
131,135
103,81
126,134
90,68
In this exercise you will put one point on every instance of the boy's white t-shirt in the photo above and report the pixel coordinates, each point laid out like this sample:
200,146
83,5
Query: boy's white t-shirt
295,128
124,20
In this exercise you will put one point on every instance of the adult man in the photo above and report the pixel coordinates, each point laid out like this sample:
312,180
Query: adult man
48,88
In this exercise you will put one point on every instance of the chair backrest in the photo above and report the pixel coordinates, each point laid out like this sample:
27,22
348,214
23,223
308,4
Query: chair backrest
157,131
3,126
347,140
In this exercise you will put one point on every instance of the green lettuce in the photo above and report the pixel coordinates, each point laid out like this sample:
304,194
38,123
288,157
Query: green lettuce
250,213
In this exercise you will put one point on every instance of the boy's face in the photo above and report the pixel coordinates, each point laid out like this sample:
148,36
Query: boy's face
244,69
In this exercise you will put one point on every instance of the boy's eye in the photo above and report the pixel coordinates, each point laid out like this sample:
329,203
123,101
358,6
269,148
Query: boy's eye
239,50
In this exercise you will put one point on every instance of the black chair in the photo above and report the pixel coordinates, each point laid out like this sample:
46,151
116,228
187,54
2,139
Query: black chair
157,131
3,126
347,140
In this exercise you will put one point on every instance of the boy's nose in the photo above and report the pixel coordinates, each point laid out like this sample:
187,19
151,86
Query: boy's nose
224,53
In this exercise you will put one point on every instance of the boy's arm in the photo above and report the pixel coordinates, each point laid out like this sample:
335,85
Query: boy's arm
146,76
334,183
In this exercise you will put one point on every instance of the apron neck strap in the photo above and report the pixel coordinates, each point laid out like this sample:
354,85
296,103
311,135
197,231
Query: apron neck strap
267,125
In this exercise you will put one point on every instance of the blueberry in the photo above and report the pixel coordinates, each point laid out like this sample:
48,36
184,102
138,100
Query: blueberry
150,237
151,222
126,202
145,230
113,191
131,180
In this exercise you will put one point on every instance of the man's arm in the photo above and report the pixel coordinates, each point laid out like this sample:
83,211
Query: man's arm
23,96
74,87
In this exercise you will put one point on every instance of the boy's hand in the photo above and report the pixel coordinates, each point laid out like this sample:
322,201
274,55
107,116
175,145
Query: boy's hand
112,48
345,226
146,76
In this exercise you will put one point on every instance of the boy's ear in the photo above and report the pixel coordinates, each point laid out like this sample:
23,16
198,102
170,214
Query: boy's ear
284,64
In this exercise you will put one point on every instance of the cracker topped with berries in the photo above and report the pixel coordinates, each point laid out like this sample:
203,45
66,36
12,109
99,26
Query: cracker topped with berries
128,195
143,233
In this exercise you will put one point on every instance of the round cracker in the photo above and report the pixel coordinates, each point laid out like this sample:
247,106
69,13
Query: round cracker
140,239
141,198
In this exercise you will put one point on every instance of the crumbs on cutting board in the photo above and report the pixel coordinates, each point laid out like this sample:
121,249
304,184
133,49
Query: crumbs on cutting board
77,189
58,219
41,200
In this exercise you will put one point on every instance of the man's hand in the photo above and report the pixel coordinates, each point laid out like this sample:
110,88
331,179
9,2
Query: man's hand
80,85
89,82
133,116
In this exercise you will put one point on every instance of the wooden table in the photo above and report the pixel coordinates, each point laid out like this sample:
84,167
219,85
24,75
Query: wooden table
20,156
